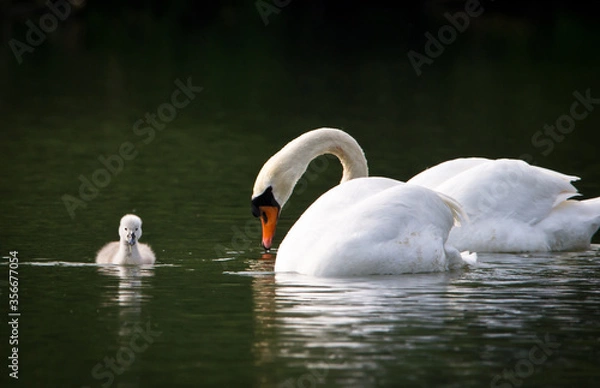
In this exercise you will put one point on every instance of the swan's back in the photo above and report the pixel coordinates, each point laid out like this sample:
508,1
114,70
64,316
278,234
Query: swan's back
370,226
433,177
509,188
513,206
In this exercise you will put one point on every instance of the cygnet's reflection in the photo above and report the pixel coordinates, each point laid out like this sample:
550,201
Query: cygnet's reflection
132,331
129,292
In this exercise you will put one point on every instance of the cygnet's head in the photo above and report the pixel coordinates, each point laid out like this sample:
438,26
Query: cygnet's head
130,229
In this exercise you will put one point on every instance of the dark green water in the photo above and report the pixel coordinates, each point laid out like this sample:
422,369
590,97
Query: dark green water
211,312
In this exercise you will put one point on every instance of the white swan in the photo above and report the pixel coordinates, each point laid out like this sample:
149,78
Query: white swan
128,250
513,206
361,227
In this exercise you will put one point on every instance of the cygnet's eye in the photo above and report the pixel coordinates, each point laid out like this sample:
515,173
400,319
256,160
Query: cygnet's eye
136,229
125,228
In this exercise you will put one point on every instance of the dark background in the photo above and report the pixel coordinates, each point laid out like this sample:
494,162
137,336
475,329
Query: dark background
314,64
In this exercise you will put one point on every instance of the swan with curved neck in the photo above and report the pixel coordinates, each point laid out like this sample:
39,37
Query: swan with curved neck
512,206
277,178
363,226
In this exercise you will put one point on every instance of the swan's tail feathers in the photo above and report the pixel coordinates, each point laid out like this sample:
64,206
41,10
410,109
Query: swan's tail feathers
458,212
594,209
594,204
565,195
460,260
469,258
572,224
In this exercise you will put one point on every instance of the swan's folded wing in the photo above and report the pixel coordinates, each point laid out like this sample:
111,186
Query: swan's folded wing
509,189
436,175
387,227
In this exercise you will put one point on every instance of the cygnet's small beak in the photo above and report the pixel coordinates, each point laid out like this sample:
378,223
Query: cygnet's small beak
131,240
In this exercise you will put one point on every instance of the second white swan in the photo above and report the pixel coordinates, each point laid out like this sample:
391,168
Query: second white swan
513,206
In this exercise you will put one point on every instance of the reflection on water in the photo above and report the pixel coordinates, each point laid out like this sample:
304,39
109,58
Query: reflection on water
456,328
129,294
531,317
132,336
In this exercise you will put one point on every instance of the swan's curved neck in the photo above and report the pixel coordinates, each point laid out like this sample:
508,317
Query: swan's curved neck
283,170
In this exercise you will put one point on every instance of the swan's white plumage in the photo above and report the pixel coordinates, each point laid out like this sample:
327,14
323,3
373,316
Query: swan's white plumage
371,226
513,206
364,226
128,250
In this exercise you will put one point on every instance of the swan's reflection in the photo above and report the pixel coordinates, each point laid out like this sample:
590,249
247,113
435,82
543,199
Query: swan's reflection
319,326
434,328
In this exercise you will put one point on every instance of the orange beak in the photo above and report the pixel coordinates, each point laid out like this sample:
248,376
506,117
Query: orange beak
268,219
